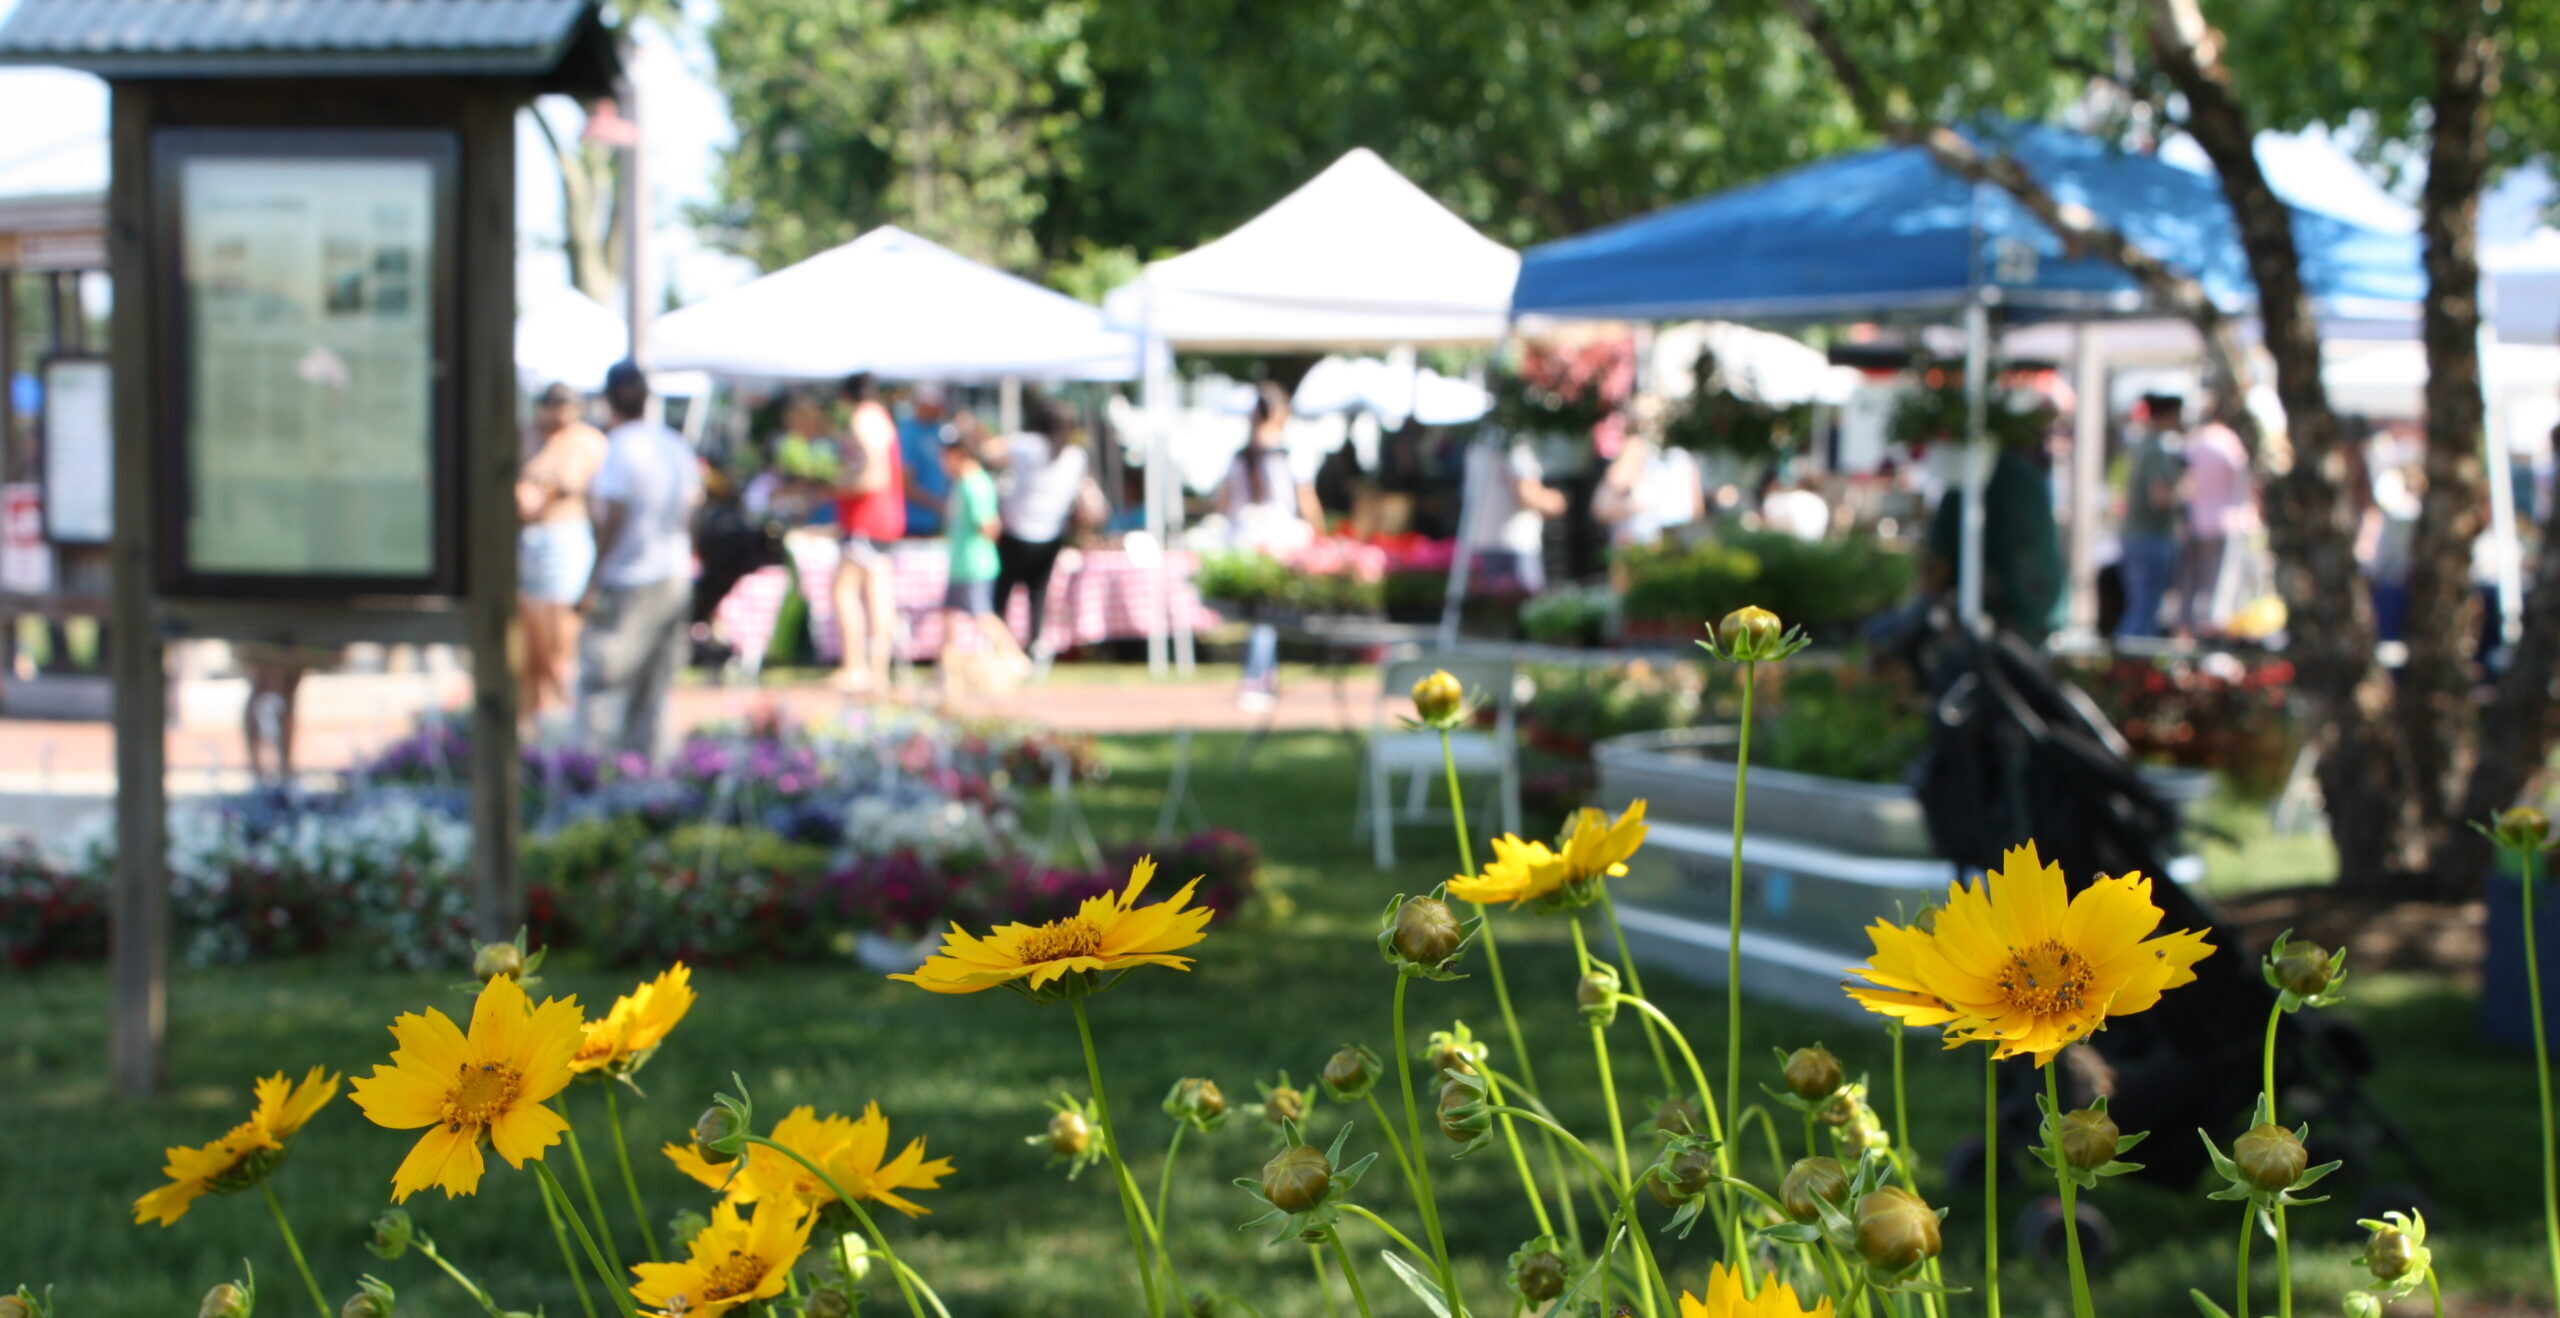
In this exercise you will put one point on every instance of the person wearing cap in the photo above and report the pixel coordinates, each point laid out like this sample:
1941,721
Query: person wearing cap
2148,543
639,596
556,550
871,516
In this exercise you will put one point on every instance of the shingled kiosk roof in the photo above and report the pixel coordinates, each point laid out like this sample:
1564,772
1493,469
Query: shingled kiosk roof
556,45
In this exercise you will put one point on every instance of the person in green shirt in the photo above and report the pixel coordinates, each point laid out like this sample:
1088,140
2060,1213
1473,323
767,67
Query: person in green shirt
2021,547
971,522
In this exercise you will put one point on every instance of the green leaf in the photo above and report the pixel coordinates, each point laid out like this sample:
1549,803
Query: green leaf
1414,1280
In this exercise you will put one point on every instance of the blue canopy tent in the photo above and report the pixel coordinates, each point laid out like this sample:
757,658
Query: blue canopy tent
1890,233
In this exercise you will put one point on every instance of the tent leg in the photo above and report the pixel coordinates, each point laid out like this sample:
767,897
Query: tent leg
2088,474
1977,461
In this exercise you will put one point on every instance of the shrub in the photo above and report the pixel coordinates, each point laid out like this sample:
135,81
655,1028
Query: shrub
47,913
1822,586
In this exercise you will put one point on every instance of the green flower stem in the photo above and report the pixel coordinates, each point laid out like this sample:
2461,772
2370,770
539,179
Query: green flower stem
1324,1285
1931,1303
2248,1228
1395,1142
1130,1207
1769,1129
1502,996
2542,1077
1342,1257
2435,1293
1624,1188
2081,1305
472,1288
909,1276
2274,1014
869,1227
1733,923
1424,1201
1649,1276
1556,1137
1635,984
1384,1225
569,1256
1520,1160
630,1183
595,1204
1728,1222
1990,1182
1164,1177
2284,1266
294,1248
614,1285
1609,1096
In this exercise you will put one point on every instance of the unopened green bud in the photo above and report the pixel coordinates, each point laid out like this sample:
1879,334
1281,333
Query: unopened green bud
1677,1116
2302,969
1296,1178
1813,1074
392,1234
1350,1073
1438,698
1596,994
223,1301
497,961
1283,1104
16,1306
1896,1229
827,1302
1539,1275
2390,1254
1197,1100
1069,1134
1461,1112
716,1135
1427,931
1682,1177
1809,1184
2269,1157
1750,630
2089,1139
2524,829
372,1301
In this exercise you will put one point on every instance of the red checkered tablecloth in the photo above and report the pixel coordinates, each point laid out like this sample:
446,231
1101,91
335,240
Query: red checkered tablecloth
1095,595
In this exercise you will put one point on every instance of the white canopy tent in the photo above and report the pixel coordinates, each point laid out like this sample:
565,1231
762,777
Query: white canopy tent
1394,390
895,305
1358,257
565,337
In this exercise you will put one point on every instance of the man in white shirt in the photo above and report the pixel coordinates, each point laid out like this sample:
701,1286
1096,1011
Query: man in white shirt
1044,471
1508,504
639,596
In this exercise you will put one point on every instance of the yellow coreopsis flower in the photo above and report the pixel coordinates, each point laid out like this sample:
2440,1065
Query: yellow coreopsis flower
734,1261
1595,847
2015,961
487,1087
1725,1299
1105,933
860,1169
639,1021
769,1177
242,1157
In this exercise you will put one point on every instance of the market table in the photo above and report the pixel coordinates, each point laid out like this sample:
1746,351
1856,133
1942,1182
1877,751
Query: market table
1095,595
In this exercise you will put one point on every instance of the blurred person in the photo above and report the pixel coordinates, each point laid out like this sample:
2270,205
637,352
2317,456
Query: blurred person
972,521
2148,539
2022,573
871,516
275,672
1508,503
1044,473
556,549
2222,506
1647,490
1796,507
639,596
1269,511
921,417
804,463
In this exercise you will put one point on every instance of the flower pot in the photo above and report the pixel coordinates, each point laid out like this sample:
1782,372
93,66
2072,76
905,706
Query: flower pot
890,956
2506,1016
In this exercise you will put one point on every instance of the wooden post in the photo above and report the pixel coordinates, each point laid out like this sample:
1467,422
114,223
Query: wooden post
490,454
140,940
9,373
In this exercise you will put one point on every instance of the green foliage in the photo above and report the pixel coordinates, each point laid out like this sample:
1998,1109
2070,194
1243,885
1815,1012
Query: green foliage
1568,615
1574,705
1841,721
1816,585
1715,419
1936,411
1258,583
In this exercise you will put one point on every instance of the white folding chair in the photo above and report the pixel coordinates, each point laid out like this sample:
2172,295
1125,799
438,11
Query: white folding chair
1480,755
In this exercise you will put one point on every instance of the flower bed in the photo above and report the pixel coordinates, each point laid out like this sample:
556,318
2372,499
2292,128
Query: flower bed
1824,586
2214,711
760,842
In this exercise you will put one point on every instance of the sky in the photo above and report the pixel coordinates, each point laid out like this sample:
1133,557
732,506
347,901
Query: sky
56,142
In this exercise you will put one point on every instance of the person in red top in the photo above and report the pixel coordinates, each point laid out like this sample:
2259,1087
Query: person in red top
871,514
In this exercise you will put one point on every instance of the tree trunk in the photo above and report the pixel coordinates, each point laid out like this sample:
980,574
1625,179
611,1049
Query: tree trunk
2366,777
589,237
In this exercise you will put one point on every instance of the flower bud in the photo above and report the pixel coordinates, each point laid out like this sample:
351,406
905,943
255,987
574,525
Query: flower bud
1896,1230
2269,1157
1539,1275
1863,1132
2089,1138
1677,1116
1811,1183
1427,931
1438,698
1682,1177
223,1301
16,1306
1597,994
1069,1134
1462,1114
1813,1074
496,961
1750,630
1283,1104
373,1300
2524,829
716,1134
1296,1178
2390,1254
1453,1057
827,1302
392,1233
2302,969
1350,1073
1196,1100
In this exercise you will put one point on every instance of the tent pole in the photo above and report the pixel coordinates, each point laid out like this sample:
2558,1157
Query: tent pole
1151,407
2498,461
2088,472
1454,602
1009,405
1977,461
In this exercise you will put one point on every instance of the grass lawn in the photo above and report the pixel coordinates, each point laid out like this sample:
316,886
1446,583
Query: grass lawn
1009,1236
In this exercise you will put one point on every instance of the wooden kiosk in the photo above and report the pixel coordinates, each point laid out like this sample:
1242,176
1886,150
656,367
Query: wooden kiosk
311,229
